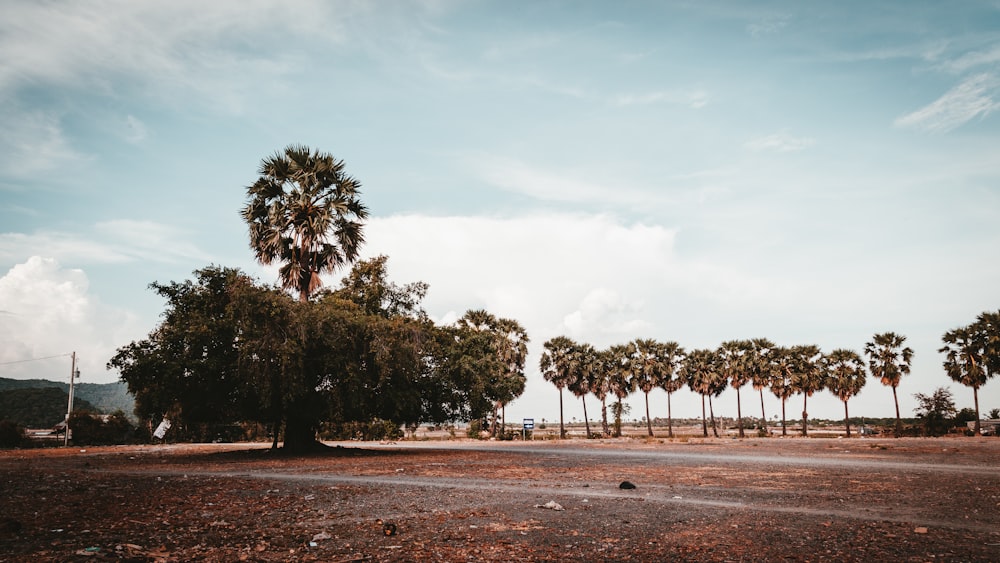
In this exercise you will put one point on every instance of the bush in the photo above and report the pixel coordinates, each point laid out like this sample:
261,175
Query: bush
95,430
11,435
376,429
475,427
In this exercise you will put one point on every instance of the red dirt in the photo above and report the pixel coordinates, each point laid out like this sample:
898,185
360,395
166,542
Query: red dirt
696,500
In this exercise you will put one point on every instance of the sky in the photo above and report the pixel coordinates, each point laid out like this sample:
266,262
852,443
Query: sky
807,172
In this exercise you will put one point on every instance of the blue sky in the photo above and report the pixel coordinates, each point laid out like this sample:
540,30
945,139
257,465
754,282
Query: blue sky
810,172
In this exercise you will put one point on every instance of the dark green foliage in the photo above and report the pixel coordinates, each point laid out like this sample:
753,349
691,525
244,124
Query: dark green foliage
101,397
89,429
41,407
11,434
936,410
965,415
230,350
371,430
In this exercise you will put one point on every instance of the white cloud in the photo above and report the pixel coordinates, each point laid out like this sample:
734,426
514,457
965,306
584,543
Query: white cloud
49,311
780,142
768,25
135,129
973,97
33,142
695,99
115,241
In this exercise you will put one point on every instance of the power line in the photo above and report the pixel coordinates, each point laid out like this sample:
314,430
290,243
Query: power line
33,359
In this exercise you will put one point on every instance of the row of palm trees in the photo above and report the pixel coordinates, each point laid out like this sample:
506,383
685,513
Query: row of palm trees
646,364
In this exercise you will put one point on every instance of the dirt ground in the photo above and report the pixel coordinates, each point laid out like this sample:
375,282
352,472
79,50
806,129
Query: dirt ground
794,499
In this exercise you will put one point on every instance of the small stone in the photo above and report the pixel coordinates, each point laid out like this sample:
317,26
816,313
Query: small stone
626,485
920,530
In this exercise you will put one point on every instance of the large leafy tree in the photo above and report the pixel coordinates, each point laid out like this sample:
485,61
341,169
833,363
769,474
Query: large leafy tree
733,366
509,344
671,357
889,361
556,365
807,376
598,365
972,354
304,214
845,377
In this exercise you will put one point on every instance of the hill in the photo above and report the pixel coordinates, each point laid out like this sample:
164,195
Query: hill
38,407
102,397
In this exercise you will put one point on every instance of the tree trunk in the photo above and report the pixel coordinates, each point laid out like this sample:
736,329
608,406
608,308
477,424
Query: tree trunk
618,418
586,421
670,419
275,429
649,423
562,427
805,415
300,435
604,416
899,421
704,423
711,412
739,413
784,429
975,397
847,420
763,417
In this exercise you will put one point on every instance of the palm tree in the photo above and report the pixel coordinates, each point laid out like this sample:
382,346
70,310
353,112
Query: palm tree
889,363
845,377
807,377
761,365
781,381
648,370
965,360
701,371
304,213
598,366
621,381
556,367
734,368
671,358
581,371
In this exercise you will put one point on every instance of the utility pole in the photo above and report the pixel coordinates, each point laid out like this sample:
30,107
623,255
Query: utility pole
73,374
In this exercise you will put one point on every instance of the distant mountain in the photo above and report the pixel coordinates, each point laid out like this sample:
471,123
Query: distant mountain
38,407
102,397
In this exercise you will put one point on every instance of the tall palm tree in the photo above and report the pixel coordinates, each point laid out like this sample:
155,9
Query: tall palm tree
761,365
671,358
845,377
304,213
598,366
555,365
889,361
733,367
648,370
701,372
965,360
621,382
807,377
781,381
582,360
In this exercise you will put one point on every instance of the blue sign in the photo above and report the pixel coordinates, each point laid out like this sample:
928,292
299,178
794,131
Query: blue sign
529,424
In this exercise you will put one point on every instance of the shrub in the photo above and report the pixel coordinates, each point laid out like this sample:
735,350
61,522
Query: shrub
11,435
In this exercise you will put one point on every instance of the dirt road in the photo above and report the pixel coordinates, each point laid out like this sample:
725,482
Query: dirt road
697,500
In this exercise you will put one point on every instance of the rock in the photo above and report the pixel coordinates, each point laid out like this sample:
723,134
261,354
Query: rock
321,536
920,530
626,485
551,505
389,529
